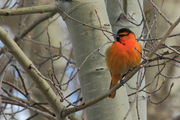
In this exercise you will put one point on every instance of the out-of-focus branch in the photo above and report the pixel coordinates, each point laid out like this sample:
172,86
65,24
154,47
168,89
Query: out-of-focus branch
159,38
73,117
159,11
29,10
33,25
38,78
165,37
9,100
163,98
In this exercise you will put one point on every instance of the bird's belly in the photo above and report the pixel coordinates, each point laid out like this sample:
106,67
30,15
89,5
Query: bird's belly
120,58
121,61
118,62
134,58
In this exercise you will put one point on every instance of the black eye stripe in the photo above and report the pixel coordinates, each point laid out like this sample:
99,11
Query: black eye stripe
122,35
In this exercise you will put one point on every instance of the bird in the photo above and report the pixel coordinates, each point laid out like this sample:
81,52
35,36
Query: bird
123,55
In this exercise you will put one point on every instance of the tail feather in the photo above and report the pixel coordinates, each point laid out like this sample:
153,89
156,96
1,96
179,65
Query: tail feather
114,81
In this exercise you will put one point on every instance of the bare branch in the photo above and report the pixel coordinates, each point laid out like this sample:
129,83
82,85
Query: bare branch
24,104
29,10
33,25
27,64
66,15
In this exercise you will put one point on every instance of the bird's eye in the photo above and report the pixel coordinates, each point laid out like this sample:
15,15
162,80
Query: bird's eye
122,35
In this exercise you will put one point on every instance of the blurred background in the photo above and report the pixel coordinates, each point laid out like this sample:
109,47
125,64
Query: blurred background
49,46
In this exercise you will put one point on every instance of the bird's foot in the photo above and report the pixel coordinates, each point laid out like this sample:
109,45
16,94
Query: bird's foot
122,82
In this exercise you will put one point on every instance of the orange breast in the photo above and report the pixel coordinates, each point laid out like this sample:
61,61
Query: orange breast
121,57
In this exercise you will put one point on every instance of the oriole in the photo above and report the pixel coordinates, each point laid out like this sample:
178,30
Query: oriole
122,55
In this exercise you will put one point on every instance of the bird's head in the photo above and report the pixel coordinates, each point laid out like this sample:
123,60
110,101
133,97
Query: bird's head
122,33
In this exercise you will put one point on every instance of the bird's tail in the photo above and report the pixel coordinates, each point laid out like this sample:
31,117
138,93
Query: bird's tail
114,81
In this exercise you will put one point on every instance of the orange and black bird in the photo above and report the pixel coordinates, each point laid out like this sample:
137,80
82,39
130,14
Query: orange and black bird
122,55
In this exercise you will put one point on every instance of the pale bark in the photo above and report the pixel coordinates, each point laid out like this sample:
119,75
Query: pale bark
93,74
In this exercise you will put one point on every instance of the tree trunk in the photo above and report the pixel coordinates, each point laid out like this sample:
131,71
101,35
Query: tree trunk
94,76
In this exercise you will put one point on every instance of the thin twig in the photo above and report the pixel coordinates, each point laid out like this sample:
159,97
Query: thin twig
64,14
23,104
22,80
30,68
159,11
161,101
150,39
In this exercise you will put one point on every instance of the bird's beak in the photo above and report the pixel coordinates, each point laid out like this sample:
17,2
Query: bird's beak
115,35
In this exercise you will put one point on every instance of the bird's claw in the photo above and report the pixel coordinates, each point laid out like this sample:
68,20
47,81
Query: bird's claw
122,82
